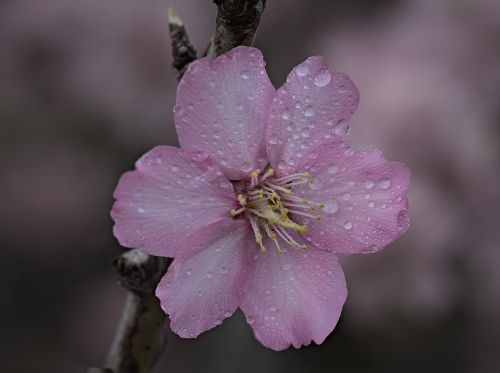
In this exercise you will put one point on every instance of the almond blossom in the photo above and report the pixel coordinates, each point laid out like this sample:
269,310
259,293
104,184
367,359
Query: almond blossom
261,197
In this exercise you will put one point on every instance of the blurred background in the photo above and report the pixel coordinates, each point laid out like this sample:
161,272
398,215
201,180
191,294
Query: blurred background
86,88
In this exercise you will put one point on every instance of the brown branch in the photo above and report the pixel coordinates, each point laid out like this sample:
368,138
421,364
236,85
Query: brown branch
236,24
183,53
141,333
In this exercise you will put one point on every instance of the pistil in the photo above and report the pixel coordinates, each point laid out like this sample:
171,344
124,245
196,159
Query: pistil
267,203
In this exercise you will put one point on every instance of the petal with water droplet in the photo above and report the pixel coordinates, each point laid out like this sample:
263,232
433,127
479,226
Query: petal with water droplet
183,199
199,301
227,101
361,221
318,104
294,298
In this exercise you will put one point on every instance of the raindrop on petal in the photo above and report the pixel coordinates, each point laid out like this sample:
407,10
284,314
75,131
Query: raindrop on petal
322,78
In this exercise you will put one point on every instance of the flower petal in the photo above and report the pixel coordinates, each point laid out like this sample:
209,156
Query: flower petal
313,106
201,290
222,108
173,201
295,297
364,196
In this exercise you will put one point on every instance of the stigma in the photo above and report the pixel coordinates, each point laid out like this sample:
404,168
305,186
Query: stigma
269,205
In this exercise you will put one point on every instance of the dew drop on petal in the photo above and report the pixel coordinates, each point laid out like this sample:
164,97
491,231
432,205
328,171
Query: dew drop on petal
331,206
385,184
285,114
245,74
273,140
309,111
322,78
141,210
371,204
210,274
369,184
333,169
302,70
286,267
246,167
189,272
273,308
347,224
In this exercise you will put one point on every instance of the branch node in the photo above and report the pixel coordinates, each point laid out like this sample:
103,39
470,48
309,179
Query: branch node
183,52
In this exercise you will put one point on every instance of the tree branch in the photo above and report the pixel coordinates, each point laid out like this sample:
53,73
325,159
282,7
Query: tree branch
183,52
235,24
141,333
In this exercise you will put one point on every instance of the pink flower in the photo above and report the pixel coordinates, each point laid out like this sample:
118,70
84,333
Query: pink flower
262,196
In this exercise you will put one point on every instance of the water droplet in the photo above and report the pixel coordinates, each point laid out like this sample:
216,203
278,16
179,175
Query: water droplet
347,196
189,272
331,122
245,74
273,308
384,184
227,313
305,133
273,140
371,204
316,185
224,269
302,70
210,274
331,206
309,111
141,210
369,184
175,168
216,135
285,114
367,196
333,169
246,167
322,78
250,320
347,224
286,267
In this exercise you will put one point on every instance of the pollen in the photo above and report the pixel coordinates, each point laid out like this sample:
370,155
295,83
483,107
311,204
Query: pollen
272,209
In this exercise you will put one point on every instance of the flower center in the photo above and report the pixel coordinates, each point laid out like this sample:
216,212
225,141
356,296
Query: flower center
269,205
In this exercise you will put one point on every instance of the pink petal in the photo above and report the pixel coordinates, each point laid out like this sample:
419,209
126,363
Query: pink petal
222,107
294,298
313,106
201,290
364,196
173,201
